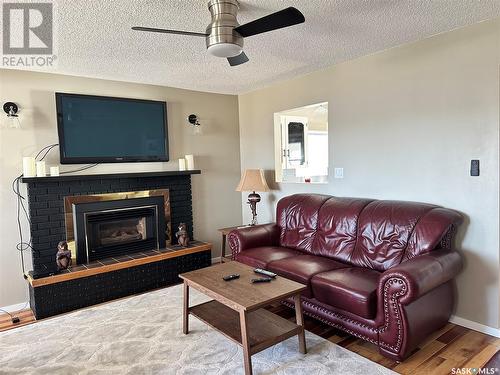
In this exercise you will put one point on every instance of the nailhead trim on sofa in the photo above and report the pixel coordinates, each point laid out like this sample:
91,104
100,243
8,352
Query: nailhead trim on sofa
389,301
328,312
392,300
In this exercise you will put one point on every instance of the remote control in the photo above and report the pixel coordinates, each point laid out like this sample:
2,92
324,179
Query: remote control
265,272
231,277
262,280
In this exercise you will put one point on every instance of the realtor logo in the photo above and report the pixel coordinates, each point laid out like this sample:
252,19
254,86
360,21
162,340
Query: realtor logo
27,35
27,28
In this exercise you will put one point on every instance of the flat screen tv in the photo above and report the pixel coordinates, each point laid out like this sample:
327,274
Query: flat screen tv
99,129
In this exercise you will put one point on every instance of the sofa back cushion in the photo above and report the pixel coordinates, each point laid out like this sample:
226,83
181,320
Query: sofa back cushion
384,230
297,216
337,228
367,233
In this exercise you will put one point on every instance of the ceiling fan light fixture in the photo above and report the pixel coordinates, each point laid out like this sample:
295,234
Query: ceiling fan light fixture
224,35
225,50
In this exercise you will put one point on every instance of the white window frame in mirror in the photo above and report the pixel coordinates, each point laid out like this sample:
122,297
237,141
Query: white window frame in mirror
285,170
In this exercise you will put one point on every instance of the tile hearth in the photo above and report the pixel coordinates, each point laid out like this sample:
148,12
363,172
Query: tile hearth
113,278
126,258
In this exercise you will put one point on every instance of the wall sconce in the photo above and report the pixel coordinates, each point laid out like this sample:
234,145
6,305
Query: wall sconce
12,109
193,120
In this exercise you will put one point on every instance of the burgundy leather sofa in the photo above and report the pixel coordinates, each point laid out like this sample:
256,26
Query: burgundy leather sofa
379,270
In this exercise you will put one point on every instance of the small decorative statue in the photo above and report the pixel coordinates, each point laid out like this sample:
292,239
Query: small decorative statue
63,256
182,235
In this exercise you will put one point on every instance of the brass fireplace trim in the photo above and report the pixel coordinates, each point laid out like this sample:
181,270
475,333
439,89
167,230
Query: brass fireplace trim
76,199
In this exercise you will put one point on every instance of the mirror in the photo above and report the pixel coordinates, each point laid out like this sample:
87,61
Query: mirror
301,144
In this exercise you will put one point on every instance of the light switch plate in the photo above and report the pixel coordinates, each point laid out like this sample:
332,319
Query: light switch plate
339,173
474,167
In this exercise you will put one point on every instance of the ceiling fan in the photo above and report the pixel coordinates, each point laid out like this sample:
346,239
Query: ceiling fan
224,35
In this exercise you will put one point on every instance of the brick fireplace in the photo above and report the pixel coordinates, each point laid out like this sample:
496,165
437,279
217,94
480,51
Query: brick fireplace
46,196
119,228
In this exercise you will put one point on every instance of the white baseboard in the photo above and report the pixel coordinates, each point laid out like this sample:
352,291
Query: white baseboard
475,326
215,260
15,308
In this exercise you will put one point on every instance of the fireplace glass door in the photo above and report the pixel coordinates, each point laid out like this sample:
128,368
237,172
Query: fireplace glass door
116,232
120,231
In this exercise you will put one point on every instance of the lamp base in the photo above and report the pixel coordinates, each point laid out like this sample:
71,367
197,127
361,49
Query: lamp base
253,199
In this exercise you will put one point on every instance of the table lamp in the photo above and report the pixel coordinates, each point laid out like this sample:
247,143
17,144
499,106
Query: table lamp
253,180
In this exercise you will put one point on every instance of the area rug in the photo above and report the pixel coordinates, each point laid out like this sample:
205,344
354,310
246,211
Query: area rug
142,335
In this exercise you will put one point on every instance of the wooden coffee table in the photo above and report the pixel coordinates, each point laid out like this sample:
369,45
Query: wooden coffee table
237,307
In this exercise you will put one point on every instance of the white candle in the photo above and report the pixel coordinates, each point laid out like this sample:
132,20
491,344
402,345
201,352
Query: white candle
54,171
29,168
182,164
189,162
40,169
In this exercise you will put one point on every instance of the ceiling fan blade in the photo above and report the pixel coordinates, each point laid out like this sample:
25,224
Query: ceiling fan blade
166,31
238,60
284,18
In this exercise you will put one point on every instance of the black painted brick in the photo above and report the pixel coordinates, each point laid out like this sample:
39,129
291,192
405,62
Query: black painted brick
38,190
47,208
58,189
57,217
45,197
53,299
36,205
40,232
58,230
80,189
50,224
46,211
38,219
58,203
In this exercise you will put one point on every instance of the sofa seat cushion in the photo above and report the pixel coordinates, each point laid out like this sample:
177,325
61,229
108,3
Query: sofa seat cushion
351,289
302,268
259,257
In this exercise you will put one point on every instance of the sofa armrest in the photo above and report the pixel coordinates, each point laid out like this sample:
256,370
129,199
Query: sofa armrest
423,273
415,299
254,236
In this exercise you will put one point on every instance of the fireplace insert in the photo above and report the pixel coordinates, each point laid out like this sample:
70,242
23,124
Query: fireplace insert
107,229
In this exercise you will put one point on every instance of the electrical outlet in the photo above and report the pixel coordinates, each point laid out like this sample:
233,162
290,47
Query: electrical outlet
474,168
339,173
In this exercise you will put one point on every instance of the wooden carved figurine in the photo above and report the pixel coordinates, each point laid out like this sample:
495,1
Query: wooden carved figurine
63,256
182,235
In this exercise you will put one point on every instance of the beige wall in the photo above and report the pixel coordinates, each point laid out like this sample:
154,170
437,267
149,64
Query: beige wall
215,203
404,124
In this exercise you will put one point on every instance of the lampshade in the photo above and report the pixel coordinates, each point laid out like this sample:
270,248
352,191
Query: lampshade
253,180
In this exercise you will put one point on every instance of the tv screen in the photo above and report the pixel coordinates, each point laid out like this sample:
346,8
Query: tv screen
98,129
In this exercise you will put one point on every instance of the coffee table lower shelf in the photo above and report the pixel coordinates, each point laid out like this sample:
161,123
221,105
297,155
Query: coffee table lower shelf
265,329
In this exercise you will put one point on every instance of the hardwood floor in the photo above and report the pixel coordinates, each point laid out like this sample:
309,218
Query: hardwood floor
451,347
25,316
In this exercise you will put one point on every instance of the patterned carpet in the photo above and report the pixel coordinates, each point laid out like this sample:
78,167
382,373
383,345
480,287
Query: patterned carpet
142,335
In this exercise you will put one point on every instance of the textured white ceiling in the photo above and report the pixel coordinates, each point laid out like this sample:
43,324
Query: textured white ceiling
94,38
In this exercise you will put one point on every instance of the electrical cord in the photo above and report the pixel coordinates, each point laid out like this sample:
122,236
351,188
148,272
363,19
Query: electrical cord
24,245
81,169
48,148
12,316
